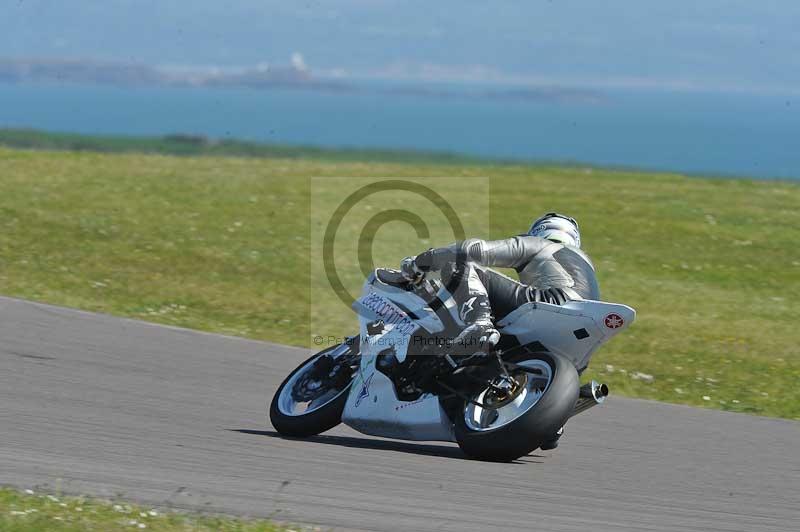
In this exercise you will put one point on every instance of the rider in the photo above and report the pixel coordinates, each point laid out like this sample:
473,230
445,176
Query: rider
551,267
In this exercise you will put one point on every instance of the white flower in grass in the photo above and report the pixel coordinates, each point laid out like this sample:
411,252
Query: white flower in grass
706,398
639,376
735,401
152,513
609,368
17,512
29,492
678,391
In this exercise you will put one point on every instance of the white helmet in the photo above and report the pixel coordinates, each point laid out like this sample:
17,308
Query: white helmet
558,228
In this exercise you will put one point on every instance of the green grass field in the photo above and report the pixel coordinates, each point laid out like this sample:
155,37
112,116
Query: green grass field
223,244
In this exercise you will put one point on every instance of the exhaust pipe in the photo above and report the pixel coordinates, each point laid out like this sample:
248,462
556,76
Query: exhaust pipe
590,394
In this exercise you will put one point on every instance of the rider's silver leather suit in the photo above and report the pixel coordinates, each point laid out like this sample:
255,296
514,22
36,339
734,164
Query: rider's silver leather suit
548,272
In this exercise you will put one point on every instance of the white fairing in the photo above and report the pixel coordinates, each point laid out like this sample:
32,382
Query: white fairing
372,406
574,330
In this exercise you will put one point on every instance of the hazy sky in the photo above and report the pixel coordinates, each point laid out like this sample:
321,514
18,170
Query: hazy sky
730,44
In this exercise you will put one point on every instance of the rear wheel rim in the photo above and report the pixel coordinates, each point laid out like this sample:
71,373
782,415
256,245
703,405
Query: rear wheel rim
324,393
532,387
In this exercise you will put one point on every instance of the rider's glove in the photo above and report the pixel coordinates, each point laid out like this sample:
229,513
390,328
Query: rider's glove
409,270
424,261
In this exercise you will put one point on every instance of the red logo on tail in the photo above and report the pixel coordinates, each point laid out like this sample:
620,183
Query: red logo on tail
614,321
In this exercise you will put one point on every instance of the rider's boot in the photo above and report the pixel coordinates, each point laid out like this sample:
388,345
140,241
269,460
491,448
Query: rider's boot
552,443
474,343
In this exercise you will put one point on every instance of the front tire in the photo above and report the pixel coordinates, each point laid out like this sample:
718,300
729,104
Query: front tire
286,412
522,425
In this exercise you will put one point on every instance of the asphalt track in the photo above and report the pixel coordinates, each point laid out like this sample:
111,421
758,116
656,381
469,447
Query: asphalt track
97,405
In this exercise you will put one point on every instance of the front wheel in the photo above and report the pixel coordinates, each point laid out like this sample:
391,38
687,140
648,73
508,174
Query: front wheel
312,398
516,418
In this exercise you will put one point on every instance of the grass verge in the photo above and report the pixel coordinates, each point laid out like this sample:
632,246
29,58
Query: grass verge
29,512
199,145
222,244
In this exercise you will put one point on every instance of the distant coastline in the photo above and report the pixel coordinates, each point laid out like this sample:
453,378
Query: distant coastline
260,77
136,74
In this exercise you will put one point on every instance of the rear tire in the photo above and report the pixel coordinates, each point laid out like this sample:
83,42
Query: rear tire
312,423
533,427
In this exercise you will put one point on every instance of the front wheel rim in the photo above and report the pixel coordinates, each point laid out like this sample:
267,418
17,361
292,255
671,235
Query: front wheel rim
480,419
290,405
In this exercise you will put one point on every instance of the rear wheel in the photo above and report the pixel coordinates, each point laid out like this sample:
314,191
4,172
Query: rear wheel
311,399
515,416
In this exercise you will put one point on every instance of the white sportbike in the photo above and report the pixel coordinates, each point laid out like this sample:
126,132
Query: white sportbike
396,380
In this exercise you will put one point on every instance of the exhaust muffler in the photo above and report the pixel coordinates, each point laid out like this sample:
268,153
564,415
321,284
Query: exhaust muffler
590,394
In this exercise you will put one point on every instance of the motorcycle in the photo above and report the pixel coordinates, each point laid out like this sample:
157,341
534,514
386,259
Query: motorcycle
396,379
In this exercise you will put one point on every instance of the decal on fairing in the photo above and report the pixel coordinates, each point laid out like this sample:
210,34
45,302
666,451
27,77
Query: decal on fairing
581,334
364,392
390,314
466,308
412,403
